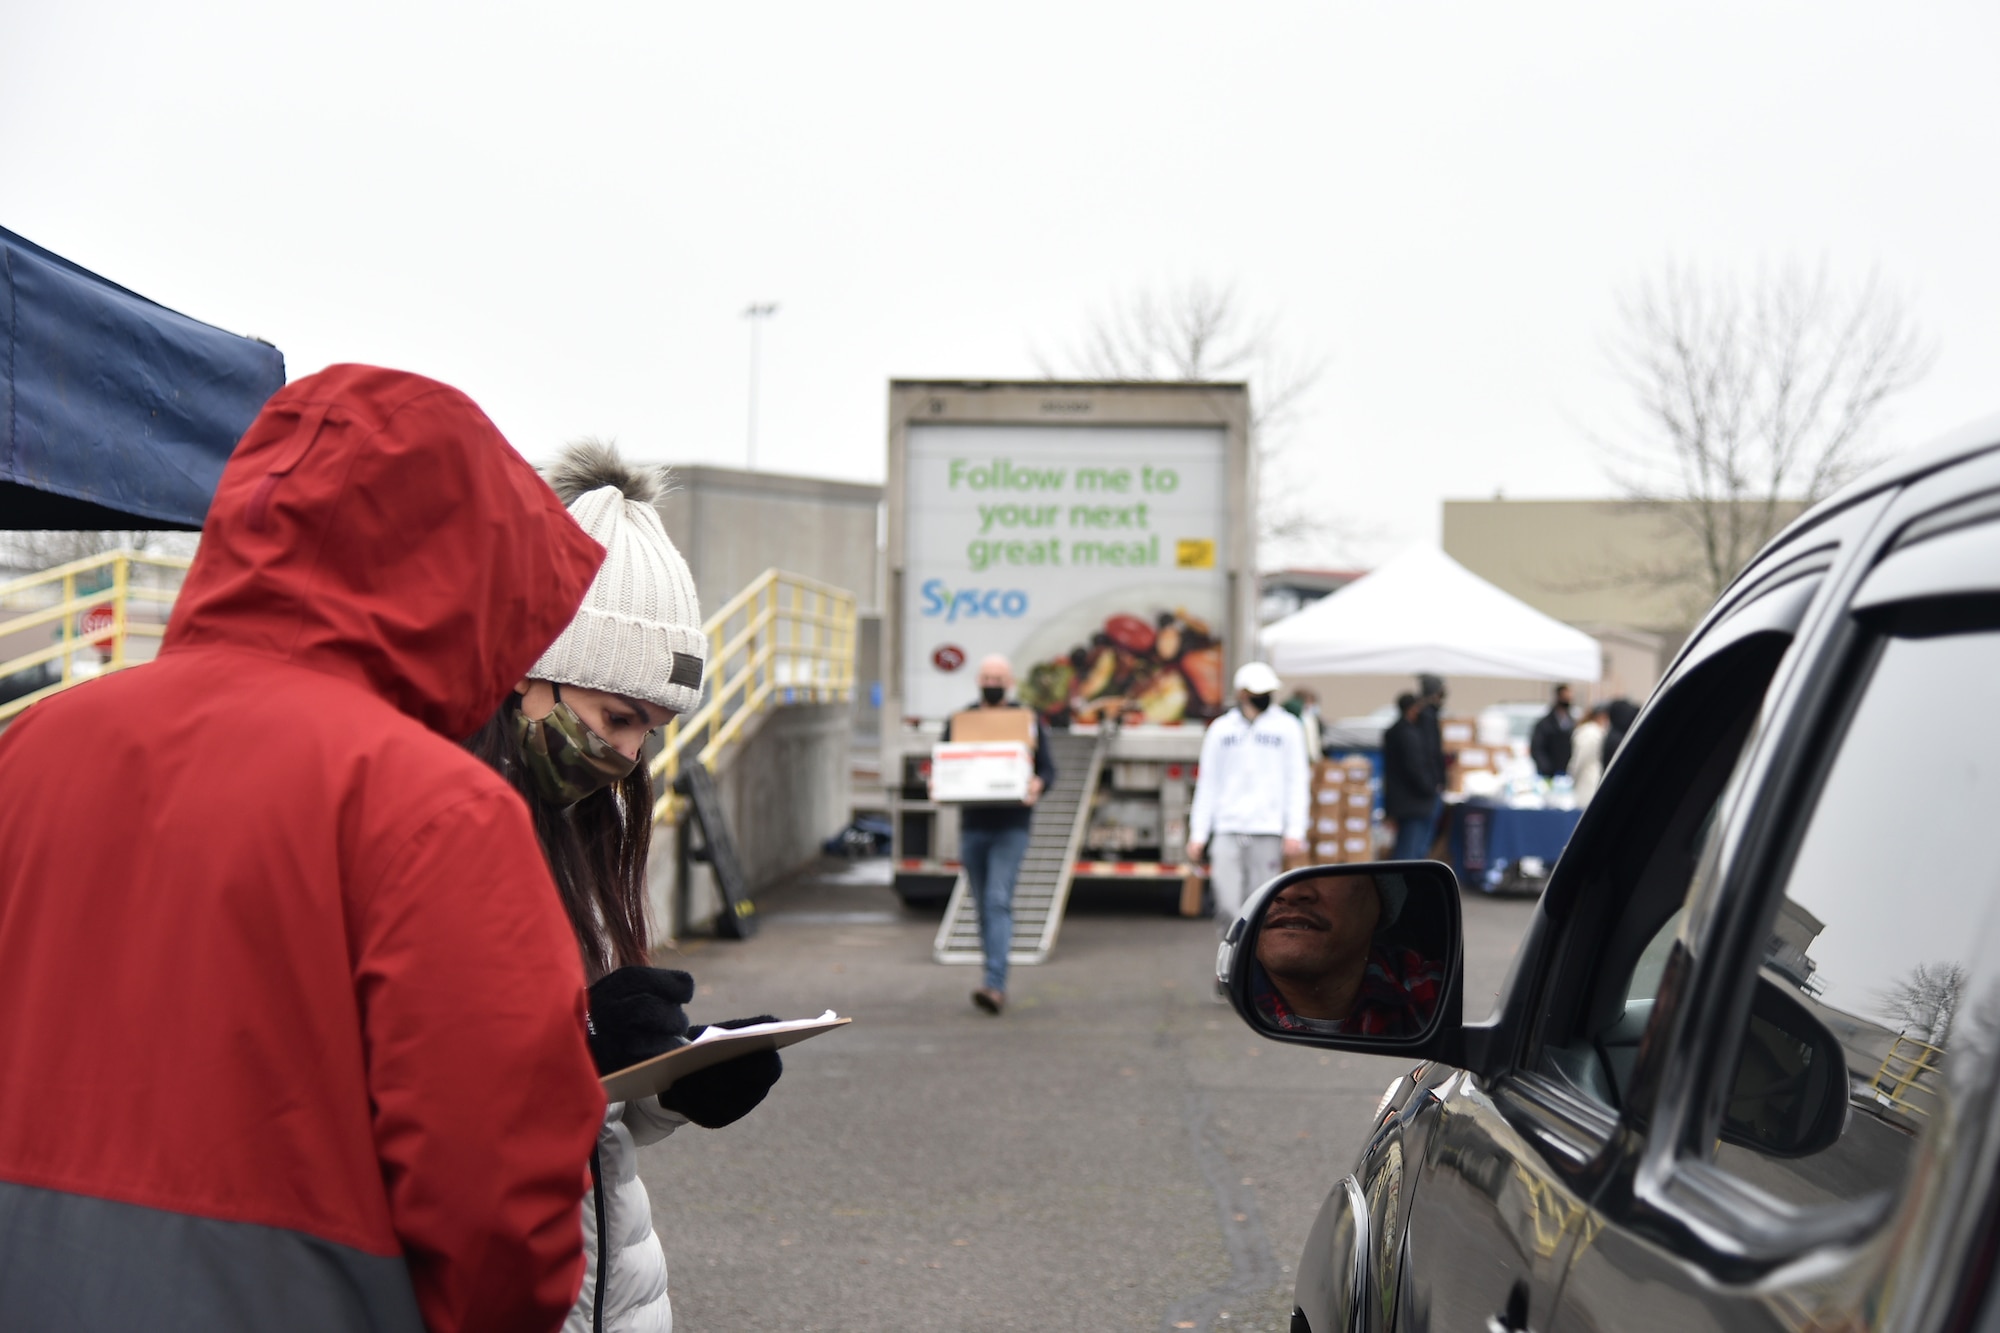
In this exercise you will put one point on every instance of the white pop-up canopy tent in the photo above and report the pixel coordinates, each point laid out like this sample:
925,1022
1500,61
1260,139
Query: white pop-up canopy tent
1423,611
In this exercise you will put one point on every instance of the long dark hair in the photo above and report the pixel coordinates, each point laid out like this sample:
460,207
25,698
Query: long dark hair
596,849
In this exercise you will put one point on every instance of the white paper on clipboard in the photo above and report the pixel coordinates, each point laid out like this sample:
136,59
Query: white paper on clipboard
651,1077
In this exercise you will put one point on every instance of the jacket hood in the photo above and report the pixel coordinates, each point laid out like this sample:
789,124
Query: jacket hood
374,525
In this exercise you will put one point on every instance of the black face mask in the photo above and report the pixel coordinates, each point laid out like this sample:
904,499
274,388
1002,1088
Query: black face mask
993,695
1261,702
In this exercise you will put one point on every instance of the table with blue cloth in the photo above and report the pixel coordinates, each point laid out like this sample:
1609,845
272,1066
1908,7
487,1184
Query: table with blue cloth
1489,839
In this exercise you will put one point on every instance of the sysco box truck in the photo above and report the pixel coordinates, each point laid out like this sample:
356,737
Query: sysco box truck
1100,536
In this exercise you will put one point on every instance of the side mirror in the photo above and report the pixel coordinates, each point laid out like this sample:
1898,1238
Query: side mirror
1789,1097
1351,957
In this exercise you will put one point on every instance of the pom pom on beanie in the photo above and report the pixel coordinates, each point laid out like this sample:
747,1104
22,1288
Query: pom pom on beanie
638,632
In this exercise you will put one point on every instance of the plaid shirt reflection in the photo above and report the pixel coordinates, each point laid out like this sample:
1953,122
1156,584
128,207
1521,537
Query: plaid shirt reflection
1398,995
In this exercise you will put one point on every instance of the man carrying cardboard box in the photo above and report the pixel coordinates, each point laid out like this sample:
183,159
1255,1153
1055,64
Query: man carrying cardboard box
992,839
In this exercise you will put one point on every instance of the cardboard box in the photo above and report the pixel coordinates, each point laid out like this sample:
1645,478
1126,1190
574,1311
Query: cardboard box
1327,773
1329,796
1356,824
1454,732
1326,850
1473,757
1360,800
993,724
981,772
1357,847
1328,824
1357,771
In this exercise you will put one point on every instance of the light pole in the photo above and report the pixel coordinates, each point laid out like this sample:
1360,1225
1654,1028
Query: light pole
756,312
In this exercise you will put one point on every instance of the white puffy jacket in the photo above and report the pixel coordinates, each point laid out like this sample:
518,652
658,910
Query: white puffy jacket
635,1278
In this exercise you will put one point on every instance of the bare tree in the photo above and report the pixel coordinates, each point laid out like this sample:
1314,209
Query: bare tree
1755,401
1200,331
1975,1027
1925,1000
38,549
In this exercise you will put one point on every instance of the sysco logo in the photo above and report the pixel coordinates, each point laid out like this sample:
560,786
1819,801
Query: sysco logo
968,603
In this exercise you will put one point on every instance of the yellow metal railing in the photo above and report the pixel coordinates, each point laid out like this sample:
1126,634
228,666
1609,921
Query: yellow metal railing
784,639
64,597
1898,1081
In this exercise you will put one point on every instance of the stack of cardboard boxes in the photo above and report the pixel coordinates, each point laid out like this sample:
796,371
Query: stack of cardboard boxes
1459,737
1339,826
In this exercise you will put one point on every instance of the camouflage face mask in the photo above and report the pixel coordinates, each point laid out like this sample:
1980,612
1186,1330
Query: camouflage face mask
566,760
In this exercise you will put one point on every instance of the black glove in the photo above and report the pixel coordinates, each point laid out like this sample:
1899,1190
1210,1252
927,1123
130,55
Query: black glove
723,1094
636,1014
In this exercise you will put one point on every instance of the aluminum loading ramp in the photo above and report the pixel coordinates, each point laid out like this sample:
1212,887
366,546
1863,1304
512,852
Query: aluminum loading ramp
1054,840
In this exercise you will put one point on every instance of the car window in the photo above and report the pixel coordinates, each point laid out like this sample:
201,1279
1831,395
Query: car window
1634,857
1652,966
1880,946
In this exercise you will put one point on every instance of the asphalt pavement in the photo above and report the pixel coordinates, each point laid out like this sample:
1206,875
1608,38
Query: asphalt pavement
1117,1152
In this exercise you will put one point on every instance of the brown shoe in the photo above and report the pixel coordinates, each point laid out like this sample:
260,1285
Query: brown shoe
992,1001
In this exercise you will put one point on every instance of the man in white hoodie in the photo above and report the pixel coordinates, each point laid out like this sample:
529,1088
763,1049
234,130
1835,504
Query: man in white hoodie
1250,794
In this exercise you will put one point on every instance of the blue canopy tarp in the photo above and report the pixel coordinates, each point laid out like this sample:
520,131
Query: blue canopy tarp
115,412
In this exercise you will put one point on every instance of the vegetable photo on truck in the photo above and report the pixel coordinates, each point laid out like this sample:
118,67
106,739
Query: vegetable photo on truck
1132,672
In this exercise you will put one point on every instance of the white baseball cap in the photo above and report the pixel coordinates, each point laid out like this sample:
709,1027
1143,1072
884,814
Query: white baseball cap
1256,678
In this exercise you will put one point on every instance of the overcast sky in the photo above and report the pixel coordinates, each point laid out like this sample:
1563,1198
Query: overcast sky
564,209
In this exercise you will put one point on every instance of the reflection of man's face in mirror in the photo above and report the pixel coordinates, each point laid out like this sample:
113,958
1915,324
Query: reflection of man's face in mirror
1315,940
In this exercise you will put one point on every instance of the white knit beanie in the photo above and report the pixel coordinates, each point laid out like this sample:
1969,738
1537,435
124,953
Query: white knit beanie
638,632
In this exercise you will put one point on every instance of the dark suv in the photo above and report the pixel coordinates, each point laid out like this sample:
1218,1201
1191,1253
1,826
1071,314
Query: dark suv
1743,1075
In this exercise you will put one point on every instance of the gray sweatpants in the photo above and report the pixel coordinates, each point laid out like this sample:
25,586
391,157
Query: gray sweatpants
1238,865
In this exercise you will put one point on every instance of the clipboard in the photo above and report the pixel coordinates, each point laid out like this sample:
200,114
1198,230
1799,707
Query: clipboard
649,1078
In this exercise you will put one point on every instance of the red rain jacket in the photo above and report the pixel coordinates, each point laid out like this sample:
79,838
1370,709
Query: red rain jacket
290,1017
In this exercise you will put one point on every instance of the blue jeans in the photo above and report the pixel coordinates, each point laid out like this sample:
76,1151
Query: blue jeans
1413,837
992,861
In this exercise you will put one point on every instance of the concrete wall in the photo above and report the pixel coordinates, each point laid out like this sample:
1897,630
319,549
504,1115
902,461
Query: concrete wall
1634,661
732,525
869,689
785,791
787,788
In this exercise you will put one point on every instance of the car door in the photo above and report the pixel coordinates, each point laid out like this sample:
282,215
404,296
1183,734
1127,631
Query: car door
1844,930
1512,1161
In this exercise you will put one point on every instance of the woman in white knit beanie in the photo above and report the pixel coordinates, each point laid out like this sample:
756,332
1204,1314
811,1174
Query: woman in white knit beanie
570,740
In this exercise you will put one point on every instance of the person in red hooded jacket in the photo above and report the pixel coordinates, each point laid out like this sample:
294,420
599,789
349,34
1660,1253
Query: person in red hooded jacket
292,1018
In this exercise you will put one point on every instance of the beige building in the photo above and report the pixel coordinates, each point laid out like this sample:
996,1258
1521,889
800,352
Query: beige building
1632,576
1583,561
